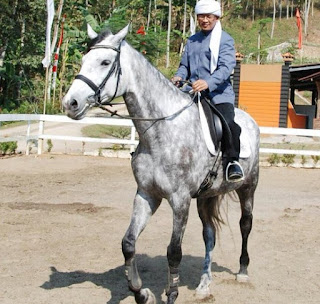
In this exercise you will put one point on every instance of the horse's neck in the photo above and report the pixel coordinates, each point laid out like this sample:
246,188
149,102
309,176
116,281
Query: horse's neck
148,93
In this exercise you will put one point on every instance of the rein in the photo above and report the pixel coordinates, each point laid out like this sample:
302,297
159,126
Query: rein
114,113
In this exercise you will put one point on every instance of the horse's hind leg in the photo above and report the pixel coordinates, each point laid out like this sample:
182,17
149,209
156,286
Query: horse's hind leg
246,196
206,209
143,208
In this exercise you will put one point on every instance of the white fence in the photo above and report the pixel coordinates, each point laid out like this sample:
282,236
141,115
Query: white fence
41,119
295,132
64,119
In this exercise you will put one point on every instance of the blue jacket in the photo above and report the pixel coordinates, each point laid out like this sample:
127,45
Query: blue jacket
195,64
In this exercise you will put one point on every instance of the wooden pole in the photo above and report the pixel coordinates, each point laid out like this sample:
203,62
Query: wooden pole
168,34
53,45
45,91
316,121
318,101
63,67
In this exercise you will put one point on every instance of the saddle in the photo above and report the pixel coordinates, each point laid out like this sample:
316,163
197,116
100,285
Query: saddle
213,125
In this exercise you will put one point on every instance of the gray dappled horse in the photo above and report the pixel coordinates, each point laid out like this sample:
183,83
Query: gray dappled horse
171,160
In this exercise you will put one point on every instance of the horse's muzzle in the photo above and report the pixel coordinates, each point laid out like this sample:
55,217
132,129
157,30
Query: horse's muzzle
73,108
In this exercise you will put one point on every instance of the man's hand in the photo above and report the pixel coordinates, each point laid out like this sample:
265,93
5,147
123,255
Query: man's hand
176,80
199,85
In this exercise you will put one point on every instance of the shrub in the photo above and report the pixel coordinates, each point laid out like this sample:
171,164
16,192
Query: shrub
117,147
315,159
50,145
288,159
303,159
121,132
273,159
8,147
104,131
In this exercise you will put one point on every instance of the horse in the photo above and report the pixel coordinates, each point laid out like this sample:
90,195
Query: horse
171,160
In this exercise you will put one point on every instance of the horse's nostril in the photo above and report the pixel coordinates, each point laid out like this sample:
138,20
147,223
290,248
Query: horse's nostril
74,105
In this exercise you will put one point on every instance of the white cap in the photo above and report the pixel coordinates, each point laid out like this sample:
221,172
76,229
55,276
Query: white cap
208,7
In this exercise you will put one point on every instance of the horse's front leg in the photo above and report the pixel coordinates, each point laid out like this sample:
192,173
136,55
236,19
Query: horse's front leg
174,252
143,208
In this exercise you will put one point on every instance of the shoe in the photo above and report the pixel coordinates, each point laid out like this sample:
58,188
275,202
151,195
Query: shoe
234,172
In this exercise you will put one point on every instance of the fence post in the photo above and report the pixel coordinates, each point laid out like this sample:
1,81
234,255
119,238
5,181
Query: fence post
132,137
40,140
27,138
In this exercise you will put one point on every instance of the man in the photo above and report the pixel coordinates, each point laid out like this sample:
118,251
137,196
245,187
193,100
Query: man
207,62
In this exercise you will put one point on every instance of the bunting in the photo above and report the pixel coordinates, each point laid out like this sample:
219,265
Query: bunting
299,28
50,8
142,32
56,55
192,26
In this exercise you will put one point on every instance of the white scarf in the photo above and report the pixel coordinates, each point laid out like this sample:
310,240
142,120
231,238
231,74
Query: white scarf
215,45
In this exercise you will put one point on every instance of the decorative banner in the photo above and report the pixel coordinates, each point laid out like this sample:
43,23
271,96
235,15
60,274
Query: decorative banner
192,26
56,55
141,30
299,28
50,8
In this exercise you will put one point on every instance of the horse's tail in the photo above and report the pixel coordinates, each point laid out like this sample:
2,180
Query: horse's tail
211,211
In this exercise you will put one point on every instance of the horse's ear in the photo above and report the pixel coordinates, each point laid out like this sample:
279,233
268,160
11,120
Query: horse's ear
91,33
122,34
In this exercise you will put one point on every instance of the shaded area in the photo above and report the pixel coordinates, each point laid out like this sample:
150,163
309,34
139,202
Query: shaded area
153,272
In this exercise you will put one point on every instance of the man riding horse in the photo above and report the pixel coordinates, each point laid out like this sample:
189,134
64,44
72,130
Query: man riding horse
172,160
207,62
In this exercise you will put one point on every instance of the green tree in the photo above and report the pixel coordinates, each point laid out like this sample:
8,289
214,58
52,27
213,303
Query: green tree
21,51
23,27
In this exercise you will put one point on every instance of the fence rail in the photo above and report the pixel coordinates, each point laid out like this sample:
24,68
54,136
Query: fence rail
286,131
127,123
64,119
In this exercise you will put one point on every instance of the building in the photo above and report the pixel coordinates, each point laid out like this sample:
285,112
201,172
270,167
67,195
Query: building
267,93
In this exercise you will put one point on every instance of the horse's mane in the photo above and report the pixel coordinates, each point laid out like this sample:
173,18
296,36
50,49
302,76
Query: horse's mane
161,79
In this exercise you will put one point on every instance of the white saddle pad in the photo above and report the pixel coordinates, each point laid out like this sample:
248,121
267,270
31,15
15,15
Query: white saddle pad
245,150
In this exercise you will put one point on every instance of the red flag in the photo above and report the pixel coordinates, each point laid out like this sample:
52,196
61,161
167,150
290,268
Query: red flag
56,55
141,30
299,28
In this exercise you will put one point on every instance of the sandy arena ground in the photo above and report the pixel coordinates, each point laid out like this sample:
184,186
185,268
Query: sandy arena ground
63,218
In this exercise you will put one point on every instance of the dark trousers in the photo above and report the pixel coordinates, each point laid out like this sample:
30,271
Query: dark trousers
230,148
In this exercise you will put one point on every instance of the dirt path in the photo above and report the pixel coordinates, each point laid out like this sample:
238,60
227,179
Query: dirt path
63,218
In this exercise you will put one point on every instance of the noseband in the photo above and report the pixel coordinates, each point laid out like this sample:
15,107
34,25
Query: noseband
115,69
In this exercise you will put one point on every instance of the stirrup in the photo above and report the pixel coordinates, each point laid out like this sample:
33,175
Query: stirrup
227,172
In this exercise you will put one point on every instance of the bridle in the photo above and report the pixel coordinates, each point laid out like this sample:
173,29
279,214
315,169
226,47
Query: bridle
115,69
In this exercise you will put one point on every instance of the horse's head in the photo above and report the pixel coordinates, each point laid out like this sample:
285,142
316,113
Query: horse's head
99,77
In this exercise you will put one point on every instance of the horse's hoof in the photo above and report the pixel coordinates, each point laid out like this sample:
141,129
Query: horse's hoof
242,278
149,297
203,289
172,297
203,293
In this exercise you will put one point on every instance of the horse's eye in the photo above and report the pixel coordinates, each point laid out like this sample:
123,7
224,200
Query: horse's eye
105,62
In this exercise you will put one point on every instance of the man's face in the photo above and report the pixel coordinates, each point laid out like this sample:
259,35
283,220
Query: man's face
207,21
